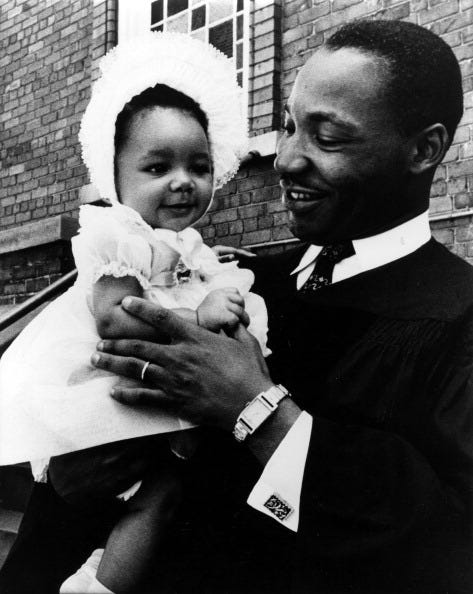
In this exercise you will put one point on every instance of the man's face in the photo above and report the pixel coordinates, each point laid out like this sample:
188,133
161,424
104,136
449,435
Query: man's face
343,164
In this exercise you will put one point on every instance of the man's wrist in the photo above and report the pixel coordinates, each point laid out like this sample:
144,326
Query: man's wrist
258,411
264,442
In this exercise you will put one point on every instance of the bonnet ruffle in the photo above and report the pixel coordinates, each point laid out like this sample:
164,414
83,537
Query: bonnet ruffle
188,65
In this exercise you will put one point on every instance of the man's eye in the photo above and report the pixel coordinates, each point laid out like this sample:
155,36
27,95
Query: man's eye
329,142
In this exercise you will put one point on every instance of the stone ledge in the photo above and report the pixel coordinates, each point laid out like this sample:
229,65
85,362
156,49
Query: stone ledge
44,231
265,144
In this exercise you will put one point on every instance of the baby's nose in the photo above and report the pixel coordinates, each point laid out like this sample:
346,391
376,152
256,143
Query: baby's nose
181,182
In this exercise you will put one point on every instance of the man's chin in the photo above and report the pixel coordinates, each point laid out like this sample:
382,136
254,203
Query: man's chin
305,232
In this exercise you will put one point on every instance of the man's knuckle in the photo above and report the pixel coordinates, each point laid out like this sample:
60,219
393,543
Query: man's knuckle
161,315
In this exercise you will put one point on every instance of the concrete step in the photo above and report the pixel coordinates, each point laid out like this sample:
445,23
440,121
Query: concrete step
9,523
16,482
15,488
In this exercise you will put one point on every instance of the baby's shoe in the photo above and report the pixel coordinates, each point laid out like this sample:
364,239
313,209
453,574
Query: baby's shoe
84,581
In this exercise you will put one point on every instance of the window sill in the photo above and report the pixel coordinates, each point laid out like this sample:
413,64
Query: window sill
44,231
264,144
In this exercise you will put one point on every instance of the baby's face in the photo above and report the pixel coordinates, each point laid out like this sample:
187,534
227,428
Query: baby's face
164,170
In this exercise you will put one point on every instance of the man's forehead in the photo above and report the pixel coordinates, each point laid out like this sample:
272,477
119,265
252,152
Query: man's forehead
346,70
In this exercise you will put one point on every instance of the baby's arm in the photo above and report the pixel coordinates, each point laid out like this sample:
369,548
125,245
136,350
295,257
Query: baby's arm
221,309
111,319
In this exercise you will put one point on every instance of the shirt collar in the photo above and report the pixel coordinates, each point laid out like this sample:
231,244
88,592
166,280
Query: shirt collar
377,250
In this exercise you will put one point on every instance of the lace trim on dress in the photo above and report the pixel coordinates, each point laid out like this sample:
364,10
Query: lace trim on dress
118,271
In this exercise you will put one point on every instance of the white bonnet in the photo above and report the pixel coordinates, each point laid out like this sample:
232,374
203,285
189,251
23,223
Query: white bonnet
190,66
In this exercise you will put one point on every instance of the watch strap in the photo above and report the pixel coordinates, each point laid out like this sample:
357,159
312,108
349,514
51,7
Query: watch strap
257,411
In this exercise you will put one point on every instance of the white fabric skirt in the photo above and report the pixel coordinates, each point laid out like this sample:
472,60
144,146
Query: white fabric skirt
53,401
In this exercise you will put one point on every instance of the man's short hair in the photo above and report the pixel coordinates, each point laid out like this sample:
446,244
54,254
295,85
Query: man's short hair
424,85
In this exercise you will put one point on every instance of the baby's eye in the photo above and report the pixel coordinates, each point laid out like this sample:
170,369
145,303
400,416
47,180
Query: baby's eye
201,168
157,168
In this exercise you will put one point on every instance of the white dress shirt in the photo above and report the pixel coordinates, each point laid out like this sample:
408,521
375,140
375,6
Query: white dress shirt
281,480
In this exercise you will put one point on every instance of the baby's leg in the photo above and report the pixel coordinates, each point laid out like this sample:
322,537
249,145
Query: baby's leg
133,546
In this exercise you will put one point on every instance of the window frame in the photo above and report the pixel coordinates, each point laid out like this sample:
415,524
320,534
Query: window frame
135,17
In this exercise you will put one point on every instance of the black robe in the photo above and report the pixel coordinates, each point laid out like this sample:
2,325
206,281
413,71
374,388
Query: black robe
383,361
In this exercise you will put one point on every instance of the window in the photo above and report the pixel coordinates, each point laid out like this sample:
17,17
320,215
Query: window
223,23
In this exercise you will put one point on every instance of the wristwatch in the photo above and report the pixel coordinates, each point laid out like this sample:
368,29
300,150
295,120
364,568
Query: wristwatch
257,411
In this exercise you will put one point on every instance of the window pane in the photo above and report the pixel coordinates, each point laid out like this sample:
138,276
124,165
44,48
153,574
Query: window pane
239,56
239,27
218,9
239,5
156,11
200,35
198,18
221,36
178,24
240,79
175,6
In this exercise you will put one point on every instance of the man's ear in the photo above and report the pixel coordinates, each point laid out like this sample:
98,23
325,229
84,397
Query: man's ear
428,148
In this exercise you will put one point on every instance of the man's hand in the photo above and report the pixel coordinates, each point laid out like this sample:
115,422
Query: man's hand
222,309
201,376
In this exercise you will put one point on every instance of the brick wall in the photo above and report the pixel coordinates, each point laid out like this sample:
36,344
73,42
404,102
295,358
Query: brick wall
48,50
248,210
46,59
47,56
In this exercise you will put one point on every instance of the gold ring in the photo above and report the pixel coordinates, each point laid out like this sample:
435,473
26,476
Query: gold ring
143,371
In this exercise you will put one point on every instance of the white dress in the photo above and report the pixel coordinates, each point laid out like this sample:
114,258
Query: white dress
52,400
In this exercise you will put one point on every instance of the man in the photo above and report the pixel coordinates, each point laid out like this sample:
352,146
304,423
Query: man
362,481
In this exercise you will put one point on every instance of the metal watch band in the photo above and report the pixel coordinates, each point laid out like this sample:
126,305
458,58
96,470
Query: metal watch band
257,411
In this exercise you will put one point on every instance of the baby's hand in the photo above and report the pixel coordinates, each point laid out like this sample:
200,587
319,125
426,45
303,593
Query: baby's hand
226,253
222,309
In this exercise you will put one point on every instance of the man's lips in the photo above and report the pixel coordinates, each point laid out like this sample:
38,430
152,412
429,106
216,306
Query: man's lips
299,193
298,199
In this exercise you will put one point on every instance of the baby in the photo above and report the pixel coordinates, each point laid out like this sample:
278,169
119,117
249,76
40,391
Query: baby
163,129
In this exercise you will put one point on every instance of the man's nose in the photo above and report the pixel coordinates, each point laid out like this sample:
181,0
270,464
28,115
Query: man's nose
181,182
289,157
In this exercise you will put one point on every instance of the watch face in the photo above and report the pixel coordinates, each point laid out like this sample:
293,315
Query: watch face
255,414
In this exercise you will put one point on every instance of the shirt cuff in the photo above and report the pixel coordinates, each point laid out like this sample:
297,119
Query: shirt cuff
278,491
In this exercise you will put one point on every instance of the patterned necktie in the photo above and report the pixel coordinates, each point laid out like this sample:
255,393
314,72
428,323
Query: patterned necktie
330,255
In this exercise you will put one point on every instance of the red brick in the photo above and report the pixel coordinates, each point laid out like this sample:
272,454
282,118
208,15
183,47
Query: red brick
315,12
296,33
280,233
235,227
463,200
295,6
445,236
438,205
250,224
261,236
264,14
457,21
224,216
441,10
